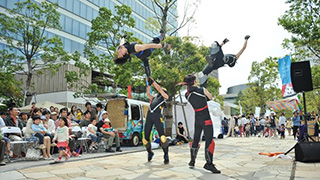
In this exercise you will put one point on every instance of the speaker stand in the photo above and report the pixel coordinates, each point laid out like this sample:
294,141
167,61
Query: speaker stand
306,136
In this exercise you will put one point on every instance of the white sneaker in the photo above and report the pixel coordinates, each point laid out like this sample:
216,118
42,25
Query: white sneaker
42,146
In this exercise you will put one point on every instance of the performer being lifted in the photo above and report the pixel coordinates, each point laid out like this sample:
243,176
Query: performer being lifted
217,59
142,51
155,117
198,96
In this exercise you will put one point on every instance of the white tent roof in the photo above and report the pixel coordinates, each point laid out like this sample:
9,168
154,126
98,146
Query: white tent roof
44,104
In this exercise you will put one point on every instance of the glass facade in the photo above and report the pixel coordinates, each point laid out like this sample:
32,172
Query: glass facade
76,16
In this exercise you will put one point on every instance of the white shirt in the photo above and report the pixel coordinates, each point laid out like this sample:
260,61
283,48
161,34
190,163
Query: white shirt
2,124
51,126
62,134
282,120
92,128
243,121
100,114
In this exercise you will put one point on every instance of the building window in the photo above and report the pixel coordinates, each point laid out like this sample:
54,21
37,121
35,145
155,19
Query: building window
82,31
62,21
83,11
74,46
67,45
68,25
3,3
69,5
75,28
62,3
89,13
76,7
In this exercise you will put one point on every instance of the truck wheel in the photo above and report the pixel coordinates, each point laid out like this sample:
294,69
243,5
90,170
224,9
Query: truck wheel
135,139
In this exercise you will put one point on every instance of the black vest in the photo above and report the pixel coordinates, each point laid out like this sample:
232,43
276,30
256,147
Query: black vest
197,99
157,103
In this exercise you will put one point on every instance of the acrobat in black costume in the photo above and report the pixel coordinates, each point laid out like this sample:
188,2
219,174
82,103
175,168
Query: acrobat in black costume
198,96
217,59
155,117
142,51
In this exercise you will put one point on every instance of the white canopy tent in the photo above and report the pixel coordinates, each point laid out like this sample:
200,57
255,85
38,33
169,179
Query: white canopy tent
44,104
215,112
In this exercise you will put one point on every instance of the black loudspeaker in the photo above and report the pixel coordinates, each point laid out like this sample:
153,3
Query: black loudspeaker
301,76
307,152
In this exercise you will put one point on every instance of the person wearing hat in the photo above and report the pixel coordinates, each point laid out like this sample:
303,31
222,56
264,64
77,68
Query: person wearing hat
154,117
198,97
109,135
141,51
296,123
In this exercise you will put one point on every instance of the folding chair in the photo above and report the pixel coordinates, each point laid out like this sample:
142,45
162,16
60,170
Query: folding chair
15,130
84,139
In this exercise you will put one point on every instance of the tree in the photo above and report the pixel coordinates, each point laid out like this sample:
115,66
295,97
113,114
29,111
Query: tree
313,97
106,32
24,31
262,86
303,21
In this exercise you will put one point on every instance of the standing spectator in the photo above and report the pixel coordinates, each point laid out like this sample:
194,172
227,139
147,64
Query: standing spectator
267,125
231,127
317,127
262,126
273,127
91,110
258,127
296,123
241,125
282,130
282,119
49,123
86,119
236,130
289,126
248,128
224,124
252,124
12,120
33,105
100,111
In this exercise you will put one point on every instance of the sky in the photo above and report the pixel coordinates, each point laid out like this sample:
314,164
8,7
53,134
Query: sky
233,19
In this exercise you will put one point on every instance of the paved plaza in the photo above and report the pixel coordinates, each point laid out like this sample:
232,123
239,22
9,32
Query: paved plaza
237,158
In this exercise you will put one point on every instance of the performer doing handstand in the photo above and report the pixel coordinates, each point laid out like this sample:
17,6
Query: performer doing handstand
154,116
142,51
198,96
217,59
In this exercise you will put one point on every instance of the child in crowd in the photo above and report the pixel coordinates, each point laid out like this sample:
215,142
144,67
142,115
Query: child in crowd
247,130
236,129
92,133
282,131
107,126
43,135
79,115
62,136
7,141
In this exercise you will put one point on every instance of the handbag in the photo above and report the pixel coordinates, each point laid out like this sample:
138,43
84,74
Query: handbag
33,154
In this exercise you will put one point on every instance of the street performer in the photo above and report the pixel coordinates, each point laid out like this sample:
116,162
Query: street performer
198,96
217,59
154,117
141,51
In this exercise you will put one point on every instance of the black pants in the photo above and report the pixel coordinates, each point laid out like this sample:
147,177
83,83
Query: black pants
295,130
2,149
144,56
181,138
157,120
208,133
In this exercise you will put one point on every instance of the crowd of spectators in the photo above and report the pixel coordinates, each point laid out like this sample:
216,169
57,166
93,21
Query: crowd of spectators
45,130
271,126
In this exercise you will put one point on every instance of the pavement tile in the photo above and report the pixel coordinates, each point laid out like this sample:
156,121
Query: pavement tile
67,171
12,175
39,175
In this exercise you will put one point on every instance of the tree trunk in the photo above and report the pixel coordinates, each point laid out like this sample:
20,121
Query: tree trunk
28,94
169,117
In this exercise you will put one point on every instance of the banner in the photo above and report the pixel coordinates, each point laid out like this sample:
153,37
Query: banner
290,104
284,70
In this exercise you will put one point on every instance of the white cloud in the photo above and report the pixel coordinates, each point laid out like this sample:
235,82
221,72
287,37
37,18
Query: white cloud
233,19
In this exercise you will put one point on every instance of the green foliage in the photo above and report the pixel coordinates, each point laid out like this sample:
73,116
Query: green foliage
24,31
313,97
105,35
262,86
303,21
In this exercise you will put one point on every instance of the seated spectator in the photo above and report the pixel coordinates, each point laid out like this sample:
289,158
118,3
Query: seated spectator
93,134
86,119
43,135
23,118
91,110
13,121
181,133
3,115
79,115
2,149
48,123
109,135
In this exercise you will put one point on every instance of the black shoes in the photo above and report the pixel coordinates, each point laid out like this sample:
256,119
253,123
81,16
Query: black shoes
212,168
246,37
118,149
150,156
110,150
191,163
166,159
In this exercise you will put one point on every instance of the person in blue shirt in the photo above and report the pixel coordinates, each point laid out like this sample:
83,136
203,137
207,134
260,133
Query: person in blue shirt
43,135
296,123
